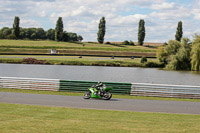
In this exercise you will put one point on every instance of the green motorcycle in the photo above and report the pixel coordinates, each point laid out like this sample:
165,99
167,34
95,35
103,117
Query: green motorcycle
98,91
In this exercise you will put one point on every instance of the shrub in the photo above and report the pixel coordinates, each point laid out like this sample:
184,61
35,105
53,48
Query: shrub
162,55
153,64
143,59
108,43
2,35
126,42
131,43
11,36
33,61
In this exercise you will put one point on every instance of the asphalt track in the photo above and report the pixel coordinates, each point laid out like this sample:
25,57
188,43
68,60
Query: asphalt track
178,107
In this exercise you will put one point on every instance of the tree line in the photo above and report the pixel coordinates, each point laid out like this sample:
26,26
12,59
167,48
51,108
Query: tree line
102,31
59,34
141,32
181,55
17,32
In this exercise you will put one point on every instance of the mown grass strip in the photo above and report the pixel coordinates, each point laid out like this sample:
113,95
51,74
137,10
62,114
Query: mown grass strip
27,44
38,119
89,62
79,48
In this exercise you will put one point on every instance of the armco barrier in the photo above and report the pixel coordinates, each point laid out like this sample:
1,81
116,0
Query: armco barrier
163,90
134,89
82,86
29,83
59,85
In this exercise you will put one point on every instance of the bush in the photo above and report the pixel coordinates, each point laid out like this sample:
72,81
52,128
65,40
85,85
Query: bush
11,36
2,36
131,43
126,42
143,59
162,55
108,43
33,61
153,64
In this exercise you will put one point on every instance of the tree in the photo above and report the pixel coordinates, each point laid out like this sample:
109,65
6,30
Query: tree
2,35
179,32
181,60
102,30
195,54
141,32
59,30
50,34
176,55
6,31
72,36
33,36
173,47
65,36
161,54
40,33
16,28
79,38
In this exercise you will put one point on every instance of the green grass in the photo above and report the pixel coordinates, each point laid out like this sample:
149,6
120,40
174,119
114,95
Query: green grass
27,44
81,94
37,119
136,49
85,61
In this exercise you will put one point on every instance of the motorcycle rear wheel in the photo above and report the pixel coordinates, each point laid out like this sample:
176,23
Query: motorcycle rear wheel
87,95
107,96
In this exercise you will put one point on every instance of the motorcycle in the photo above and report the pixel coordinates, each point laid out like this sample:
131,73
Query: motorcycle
98,91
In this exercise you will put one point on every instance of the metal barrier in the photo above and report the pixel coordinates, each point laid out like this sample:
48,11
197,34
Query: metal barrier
29,83
59,85
163,90
134,89
82,86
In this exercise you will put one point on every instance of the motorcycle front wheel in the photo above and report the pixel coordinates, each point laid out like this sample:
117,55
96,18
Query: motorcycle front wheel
107,96
87,95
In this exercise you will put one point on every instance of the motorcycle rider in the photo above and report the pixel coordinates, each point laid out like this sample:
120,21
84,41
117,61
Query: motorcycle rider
99,87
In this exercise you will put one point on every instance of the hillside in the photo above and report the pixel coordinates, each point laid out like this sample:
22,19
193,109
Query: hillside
76,48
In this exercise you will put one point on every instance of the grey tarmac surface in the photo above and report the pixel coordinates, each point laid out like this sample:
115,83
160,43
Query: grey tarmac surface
178,107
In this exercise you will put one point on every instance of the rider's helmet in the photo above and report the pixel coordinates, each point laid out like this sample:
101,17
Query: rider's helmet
100,83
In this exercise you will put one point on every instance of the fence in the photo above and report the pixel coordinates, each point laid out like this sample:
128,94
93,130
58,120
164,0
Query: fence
29,83
82,86
162,90
59,85
134,89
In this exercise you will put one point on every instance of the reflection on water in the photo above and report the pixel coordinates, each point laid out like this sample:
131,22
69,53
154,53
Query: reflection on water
98,73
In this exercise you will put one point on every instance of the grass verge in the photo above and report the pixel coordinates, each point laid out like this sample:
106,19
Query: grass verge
81,94
90,62
33,119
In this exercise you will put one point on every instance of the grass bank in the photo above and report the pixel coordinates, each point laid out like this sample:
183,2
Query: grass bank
81,94
86,61
72,45
78,48
32,119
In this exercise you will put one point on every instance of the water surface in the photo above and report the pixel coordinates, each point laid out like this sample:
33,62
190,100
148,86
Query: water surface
99,73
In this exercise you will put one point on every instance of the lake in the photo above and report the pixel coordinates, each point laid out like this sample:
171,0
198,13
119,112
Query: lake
100,73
